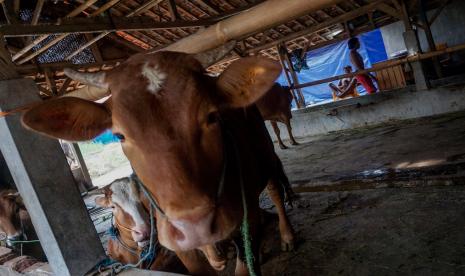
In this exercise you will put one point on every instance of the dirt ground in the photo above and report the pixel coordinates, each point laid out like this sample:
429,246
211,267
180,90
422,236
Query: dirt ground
384,200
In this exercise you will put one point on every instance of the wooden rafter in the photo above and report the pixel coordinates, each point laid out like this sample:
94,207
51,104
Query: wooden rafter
161,26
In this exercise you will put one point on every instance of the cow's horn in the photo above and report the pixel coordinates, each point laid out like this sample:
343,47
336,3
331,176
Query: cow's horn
210,57
90,93
94,79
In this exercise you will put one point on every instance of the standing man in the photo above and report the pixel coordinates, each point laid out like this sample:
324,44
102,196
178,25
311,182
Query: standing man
357,61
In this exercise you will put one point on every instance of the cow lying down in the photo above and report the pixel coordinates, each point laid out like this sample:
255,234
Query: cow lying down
198,143
130,230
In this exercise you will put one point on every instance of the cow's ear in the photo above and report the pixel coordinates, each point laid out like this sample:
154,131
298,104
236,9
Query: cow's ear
247,80
68,118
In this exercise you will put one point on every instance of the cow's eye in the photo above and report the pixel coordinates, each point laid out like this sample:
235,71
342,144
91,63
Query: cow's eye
212,118
119,136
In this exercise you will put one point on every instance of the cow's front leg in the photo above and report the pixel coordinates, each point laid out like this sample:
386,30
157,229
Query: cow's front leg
275,191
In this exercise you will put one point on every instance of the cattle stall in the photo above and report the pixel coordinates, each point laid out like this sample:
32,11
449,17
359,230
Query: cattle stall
360,179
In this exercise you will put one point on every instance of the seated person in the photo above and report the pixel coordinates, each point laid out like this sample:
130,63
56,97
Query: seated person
346,87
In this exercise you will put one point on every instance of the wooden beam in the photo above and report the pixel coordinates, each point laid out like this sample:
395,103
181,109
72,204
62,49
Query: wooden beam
5,13
105,7
312,29
173,10
429,37
33,68
42,49
65,86
94,48
7,69
87,44
44,90
37,11
97,25
125,43
50,81
438,12
389,10
81,8
43,37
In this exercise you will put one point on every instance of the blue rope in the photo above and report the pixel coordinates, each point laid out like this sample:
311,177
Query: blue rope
112,232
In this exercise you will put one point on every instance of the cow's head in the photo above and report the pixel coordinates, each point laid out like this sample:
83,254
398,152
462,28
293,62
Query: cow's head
165,110
11,207
129,214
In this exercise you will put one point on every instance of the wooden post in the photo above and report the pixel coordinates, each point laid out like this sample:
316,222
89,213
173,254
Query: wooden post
288,78
429,37
413,48
293,74
83,167
173,10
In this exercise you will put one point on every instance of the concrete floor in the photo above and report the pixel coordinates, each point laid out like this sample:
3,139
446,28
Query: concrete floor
404,150
384,200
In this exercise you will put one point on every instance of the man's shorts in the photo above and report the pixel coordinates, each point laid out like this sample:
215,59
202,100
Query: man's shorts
367,83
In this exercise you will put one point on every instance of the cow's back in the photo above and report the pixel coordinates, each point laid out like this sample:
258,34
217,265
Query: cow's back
276,104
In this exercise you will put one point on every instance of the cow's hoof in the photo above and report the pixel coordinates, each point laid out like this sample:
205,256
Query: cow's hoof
282,146
287,246
294,143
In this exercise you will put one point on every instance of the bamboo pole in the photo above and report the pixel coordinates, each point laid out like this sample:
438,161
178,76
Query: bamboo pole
388,64
43,48
263,16
37,11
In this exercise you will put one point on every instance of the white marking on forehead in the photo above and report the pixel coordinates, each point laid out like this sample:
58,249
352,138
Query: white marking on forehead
126,195
154,76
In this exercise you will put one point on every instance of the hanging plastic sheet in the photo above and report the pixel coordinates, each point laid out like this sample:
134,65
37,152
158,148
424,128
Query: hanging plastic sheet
105,138
330,60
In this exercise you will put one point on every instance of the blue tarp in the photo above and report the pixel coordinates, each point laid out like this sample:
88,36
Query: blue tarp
105,138
330,60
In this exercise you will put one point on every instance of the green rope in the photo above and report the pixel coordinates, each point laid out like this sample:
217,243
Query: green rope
21,242
245,231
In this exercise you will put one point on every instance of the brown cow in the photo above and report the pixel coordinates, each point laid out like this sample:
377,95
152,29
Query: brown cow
10,220
197,142
131,221
275,106
16,224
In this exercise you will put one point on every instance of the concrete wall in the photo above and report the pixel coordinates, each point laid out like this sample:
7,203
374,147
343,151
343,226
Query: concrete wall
448,28
374,109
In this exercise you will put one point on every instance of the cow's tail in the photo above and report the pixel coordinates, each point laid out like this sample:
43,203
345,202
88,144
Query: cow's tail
289,195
